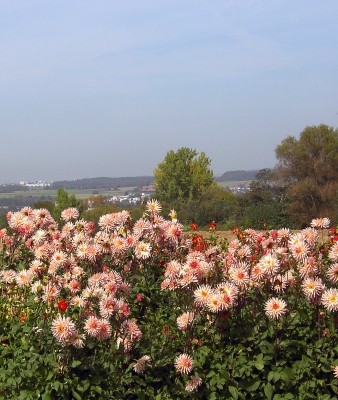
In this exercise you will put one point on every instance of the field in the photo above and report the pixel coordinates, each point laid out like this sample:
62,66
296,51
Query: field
85,193
80,194
234,183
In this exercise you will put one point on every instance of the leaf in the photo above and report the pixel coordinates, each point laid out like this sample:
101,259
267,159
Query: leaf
268,390
224,374
288,374
76,395
251,384
233,391
259,365
46,396
75,363
97,389
276,376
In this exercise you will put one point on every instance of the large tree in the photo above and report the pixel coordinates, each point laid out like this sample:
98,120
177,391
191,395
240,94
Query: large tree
183,175
308,168
62,201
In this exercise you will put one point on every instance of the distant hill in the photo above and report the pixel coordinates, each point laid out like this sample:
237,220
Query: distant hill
140,181
136,181
237,176
104,183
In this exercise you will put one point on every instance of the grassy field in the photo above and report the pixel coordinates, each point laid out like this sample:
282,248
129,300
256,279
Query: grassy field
80,194
234,183
83,194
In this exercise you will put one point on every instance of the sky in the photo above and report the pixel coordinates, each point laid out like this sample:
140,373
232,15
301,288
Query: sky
108,87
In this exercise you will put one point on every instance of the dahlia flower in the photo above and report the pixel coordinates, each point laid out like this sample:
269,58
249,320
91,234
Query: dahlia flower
184,364
275,308
63,328
330,299
320,223
193,383
141,364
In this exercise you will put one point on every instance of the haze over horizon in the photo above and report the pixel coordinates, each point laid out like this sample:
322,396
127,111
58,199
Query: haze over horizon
106,89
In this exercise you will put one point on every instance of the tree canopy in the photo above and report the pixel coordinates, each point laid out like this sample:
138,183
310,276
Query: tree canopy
308,168
62,201
183,175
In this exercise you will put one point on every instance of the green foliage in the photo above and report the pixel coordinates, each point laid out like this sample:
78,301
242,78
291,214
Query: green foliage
46,204
308,167
265,202
62,201
215,204
3,221
238,349
102,209
103,182
182,175
94,201
273,213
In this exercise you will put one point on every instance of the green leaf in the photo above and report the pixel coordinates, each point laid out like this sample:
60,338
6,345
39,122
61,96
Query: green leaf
287,374
75,363
276,376
46,396
57,385
97,389
233,391
268,390
76,395
259,365
211,374
250,384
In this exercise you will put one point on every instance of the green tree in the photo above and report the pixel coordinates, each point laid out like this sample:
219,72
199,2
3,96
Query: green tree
62,201
48,205
94,201
183,175
3,221
216,204
98,210
308,168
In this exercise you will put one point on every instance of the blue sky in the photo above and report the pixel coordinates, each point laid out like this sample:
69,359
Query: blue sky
107,88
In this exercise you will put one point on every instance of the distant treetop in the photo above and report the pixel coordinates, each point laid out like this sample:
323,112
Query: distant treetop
183,175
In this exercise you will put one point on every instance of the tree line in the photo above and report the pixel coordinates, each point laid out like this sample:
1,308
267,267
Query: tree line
104,183
303,185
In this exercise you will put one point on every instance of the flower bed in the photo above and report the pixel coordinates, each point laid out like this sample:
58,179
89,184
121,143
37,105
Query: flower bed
138,310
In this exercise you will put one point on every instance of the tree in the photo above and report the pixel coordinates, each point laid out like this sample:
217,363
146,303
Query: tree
48,205
182,175
94,201
216,204
308,168
63,201
98,210
264,203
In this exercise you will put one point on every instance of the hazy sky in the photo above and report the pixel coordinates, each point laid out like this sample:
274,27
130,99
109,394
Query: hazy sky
107,88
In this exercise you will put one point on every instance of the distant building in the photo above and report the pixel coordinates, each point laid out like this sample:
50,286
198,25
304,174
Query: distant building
150,188
36,183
